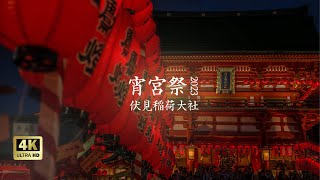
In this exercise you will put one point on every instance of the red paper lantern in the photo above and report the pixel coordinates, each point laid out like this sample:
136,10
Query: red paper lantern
232,149
289,150
247,150
181,149
203,149
283,150
217,149
92,77
59,32
240,150
208,149
155,65
265,81
152,46
275,150
255,151
145,31
111,88
57,28
224,150
175,149
140,18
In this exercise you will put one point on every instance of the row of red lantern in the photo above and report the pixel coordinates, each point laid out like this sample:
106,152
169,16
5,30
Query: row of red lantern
282,150
308,164
307,145
281,81
117,40
276,150
218,149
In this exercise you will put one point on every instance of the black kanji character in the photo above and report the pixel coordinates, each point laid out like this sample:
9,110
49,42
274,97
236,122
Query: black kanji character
90,56
150,140
105,25
121,91
131,65
152,116
128,39
156,60
148,133
125,51
107,17
114,78
111,7
127,42
141,124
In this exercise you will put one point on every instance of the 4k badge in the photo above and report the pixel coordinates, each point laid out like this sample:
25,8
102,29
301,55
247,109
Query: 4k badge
27,147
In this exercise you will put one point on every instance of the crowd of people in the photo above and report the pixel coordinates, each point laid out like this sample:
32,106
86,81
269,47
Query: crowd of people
247,173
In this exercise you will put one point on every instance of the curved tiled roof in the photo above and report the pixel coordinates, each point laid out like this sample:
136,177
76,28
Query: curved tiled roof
244,57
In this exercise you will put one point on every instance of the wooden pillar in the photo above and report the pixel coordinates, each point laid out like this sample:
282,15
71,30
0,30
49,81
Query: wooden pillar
282,124
263,119
238,124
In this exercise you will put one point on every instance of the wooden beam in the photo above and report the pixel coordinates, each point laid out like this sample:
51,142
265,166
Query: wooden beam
214,96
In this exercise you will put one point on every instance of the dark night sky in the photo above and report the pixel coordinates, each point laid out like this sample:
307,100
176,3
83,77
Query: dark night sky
9,76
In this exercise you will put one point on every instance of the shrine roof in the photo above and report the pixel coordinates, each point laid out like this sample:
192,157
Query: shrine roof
276,30
240,56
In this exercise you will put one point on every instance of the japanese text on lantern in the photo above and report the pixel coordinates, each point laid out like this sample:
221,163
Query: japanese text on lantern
176,86
107,16
90,55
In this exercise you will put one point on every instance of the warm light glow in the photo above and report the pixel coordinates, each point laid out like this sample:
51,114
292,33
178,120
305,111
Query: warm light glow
110,171
266,156
191,150
117,171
